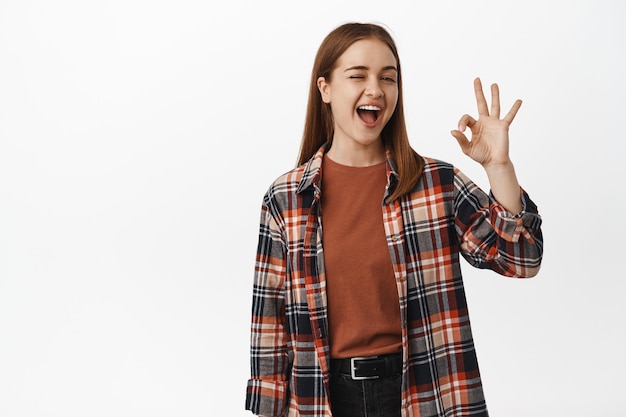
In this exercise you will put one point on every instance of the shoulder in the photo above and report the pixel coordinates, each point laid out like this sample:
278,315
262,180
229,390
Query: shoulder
433,164
436,171
287,182
439,177
282,194
299,179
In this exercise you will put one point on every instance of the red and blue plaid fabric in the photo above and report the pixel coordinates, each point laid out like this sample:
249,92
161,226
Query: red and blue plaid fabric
445,216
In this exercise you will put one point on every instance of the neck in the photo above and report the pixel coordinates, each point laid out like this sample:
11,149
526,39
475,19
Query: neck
361,156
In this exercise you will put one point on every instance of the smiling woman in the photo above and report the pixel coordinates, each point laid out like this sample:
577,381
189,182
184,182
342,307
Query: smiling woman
343,44
358,301
362,93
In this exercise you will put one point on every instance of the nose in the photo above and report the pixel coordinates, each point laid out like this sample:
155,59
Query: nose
373,89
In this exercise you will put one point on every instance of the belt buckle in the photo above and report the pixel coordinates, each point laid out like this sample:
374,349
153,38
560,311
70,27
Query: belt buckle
353,369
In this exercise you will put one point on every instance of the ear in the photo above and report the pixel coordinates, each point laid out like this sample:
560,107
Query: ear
324,88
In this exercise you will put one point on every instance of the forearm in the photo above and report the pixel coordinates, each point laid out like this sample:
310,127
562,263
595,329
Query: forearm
491,236
504,186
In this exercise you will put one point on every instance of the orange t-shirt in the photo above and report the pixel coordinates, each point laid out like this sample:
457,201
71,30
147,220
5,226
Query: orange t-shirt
363,304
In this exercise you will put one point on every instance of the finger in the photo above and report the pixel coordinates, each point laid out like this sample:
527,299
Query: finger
464,143
495,101
466,121
480,98
511,114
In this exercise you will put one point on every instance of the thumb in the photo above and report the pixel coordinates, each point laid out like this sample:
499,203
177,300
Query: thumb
464,143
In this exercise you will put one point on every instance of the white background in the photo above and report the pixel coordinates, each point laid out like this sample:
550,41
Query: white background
138,137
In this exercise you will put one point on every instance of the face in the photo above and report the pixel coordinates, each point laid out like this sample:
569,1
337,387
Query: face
362,92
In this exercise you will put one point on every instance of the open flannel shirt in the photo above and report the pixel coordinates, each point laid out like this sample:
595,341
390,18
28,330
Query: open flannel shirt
445,215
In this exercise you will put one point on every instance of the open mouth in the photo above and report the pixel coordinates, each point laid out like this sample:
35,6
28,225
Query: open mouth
369,114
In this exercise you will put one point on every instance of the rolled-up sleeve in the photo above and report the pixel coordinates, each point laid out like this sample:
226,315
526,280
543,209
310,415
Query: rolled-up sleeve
492,238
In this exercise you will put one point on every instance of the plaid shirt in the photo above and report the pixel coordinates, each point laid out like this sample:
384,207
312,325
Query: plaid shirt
445,215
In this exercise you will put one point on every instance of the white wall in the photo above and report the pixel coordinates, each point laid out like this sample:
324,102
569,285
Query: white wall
137,139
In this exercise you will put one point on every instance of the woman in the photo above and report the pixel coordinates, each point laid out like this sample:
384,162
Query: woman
358,303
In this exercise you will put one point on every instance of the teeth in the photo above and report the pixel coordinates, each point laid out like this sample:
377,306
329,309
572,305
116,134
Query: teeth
373,108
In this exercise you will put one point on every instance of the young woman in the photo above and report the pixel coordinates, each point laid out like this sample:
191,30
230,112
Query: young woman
358,303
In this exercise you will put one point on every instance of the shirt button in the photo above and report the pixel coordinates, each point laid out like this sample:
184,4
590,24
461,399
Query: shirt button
395,238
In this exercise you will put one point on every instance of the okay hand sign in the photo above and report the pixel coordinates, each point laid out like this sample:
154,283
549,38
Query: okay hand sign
489,144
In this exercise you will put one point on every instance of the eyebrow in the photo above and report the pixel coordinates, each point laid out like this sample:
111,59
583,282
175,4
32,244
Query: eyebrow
363,67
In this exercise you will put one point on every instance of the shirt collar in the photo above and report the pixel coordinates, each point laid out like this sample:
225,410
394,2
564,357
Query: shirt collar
312,173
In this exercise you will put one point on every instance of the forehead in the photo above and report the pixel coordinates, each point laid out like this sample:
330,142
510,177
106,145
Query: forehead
371,53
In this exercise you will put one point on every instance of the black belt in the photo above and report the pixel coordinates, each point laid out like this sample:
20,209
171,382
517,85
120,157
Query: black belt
372,367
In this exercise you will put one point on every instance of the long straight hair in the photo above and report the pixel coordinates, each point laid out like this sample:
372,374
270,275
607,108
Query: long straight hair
319,128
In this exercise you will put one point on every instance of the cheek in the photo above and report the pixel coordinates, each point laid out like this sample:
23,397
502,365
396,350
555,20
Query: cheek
340,111
393,100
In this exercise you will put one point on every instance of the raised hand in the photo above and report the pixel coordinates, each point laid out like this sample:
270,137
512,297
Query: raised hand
489,144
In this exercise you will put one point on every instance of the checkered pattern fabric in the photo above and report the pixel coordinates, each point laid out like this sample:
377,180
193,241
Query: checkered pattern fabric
445,216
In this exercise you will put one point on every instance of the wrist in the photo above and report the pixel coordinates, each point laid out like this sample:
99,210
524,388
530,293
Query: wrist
499,168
